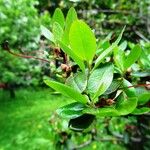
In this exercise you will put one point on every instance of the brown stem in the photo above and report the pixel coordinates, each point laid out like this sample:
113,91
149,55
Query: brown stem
26,56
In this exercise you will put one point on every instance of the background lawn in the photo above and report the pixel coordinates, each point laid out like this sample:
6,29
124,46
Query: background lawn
24,121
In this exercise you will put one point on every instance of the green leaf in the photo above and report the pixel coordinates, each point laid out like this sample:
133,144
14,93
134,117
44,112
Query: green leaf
78,81
82,40
143,98
103,55
57,31
141,74
128,89
58,17
123,45
119,57
71,16
81,123
127,105
66,90
100,79
114,86
140,111
47,33
132,57
102,112
68,51
71,111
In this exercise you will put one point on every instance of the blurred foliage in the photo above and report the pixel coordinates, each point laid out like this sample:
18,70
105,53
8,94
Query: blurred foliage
106,15
20,26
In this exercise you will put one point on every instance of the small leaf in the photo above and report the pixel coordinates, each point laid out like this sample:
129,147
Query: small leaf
82,40
71,111
141,74
81,123
58,17
71,16
66,90
119,57
140,111
102,112
108,50
47,33
130,92
127,105
114,86
132,57
78,81
100,80
143,98
57,31
68,51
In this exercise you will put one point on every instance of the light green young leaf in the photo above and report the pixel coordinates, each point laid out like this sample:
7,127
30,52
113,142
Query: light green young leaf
127,105
57,31
102,112
68,51
58,17
66,90
47,33
82,40
119,57
71,111
140,111
143,98
100,80
78,81
108,50
133,56
71,16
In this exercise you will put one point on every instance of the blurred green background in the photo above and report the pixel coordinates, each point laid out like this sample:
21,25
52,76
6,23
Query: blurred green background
27,107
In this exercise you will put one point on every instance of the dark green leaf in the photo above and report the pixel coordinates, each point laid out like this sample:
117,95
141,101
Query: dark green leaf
81,123
71,111
100,80
78,81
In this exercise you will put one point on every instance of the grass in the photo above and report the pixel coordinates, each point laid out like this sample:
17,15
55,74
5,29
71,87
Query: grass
24,120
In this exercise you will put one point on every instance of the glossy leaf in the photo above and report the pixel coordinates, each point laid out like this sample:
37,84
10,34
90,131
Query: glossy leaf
47,34
132,57
100,80
58,17
82,40
78,81
71,111
66,90
81,123
68,51
114,86
103,55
